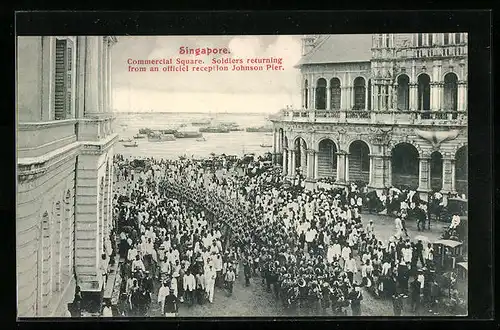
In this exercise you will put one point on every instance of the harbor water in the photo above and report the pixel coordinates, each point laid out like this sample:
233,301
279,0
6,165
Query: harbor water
232,143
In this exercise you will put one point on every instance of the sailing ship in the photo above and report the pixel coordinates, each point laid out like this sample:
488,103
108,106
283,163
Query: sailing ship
266,145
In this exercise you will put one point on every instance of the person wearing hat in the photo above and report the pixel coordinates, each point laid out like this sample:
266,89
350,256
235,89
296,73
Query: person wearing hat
171,305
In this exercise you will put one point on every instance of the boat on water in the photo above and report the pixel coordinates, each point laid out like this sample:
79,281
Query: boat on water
214,129
131,144
232,127
161,137
202,139
125,140
145,131
168,131
261,129
201,122
187,135
140,136
265,145
269,134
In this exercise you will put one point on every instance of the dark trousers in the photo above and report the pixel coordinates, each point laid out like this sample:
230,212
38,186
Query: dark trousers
200,295
230,287
189,295
415,303
356,310
350,276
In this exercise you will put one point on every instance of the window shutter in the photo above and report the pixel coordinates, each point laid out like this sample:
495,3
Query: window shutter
69,83
61,101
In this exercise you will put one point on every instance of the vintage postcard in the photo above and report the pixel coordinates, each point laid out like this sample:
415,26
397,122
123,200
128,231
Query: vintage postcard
256,175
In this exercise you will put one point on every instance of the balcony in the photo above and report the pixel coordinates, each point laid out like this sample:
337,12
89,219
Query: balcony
443,118
435,52
39,138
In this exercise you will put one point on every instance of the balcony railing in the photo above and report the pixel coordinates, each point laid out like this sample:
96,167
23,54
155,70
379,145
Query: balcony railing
440,117
423,52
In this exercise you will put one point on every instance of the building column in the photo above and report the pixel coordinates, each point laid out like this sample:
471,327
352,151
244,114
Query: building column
313,98
275,147
303,159
387,171
310,164
448,175
341,162
413,96
347,167
366,97
291,163
424,178
316,164
453,177
284,169
462,96
92,105
370,169
310,181
328,95
374,88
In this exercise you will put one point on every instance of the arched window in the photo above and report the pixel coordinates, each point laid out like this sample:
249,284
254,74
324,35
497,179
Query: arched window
387,39
321,94
424,92
335,94
446,38
420,40
431,39
457,38
403,92
306,95
359,94
450,92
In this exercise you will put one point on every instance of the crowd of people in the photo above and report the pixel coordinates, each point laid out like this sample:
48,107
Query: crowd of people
195,226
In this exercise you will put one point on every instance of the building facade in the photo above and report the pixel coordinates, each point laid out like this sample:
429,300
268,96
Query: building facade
64,168
385,110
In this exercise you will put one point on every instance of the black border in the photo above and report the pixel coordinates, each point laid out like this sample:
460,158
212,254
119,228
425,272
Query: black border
476,23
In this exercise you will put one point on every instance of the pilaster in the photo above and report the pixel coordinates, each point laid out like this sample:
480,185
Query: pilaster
424,177
341,167
284,168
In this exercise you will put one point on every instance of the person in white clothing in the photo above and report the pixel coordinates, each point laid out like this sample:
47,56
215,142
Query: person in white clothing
162,293
210,277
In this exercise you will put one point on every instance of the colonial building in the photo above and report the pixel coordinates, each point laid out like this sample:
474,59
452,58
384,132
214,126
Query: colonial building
385,109
64,169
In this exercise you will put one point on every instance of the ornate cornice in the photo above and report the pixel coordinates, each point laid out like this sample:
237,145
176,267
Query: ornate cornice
34,126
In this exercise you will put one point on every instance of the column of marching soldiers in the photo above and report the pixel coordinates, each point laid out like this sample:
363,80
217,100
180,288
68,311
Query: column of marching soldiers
192,228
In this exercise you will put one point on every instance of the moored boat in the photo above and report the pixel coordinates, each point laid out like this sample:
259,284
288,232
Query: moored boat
261,129
140,136
131,144
214,129
201,122
265,145
168,131
186,135
202,139
125,140
161,137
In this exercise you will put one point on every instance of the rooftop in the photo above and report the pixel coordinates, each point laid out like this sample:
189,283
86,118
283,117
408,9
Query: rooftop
340,48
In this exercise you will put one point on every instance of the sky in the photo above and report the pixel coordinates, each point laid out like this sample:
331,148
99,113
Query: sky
231,91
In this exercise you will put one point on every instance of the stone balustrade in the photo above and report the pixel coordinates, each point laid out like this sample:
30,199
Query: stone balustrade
440,117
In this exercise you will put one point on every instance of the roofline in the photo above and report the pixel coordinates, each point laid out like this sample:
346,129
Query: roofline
339,62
